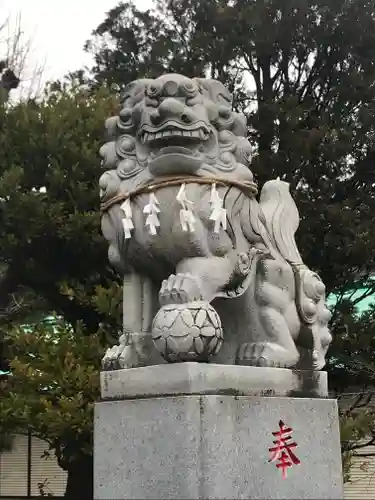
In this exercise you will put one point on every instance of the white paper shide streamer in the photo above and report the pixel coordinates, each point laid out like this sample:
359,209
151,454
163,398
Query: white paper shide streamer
187,218
152,210
218,214
127,221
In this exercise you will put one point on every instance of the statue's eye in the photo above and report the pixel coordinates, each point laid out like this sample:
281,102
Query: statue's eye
224,113
189,89
153,90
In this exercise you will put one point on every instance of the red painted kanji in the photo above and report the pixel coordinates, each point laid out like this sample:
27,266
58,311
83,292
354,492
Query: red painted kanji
282,451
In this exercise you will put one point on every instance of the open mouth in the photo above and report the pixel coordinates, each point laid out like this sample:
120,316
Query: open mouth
171,134
176,149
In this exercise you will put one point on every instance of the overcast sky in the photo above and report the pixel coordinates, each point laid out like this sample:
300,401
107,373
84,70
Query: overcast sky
59,28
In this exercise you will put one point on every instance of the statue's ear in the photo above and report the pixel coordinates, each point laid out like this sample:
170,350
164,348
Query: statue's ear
215,91
110,128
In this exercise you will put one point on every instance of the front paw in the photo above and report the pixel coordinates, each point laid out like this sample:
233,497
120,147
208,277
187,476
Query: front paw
121,356
266,354
180,289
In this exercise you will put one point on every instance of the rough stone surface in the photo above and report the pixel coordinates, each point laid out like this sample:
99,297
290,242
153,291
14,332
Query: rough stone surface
201,378
187,232
214,447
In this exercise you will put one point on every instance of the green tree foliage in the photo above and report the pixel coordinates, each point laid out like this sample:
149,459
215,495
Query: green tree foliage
131,43
54,383
54,258
357,429
50,236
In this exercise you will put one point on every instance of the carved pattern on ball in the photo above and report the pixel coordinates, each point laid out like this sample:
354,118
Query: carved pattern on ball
187,332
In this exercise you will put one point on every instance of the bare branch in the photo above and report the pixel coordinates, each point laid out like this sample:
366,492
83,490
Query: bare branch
358,402
15,53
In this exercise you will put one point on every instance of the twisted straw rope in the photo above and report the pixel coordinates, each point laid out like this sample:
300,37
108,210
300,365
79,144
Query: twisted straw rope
248,187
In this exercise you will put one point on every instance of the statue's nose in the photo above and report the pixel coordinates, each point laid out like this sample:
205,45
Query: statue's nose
172,109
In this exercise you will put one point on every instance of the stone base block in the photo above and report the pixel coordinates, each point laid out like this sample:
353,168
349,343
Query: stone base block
215,447
204,378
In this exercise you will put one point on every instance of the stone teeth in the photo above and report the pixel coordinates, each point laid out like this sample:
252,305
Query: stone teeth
151,136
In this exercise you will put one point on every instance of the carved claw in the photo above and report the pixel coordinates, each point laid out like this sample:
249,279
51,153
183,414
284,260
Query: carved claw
265,354
123,355
180,289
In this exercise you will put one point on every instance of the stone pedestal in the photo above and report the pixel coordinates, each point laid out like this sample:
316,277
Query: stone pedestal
196,431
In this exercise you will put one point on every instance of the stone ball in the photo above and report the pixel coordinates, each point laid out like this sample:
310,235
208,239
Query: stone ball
187,332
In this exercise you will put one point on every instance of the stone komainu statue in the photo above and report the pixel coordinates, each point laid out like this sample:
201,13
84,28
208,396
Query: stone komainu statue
208,270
